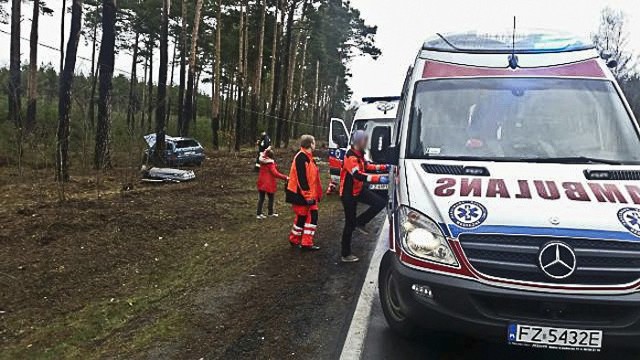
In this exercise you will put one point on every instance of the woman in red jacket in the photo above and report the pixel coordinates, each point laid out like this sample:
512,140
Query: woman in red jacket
267,182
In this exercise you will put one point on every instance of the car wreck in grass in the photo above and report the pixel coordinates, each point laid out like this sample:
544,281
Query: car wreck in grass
164,175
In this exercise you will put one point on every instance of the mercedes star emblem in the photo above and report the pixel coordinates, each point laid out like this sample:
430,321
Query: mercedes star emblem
557,260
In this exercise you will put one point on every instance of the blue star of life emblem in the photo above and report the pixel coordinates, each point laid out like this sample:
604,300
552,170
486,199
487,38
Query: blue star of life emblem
630,218
468,214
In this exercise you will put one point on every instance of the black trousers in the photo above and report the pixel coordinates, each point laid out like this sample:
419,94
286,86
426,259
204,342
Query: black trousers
261,202
351,220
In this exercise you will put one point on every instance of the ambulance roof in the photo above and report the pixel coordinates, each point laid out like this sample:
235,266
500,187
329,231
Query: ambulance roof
530,42
377,108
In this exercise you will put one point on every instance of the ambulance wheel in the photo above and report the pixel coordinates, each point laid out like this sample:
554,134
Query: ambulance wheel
391,304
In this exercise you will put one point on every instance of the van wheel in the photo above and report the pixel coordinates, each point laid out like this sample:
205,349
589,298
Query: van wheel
390,299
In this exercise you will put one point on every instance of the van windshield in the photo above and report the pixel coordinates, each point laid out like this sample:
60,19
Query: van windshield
521,118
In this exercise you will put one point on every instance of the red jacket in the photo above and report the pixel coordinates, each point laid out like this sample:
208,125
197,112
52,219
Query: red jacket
268,175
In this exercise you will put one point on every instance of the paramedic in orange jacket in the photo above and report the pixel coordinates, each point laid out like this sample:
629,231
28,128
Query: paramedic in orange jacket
304,192
353,189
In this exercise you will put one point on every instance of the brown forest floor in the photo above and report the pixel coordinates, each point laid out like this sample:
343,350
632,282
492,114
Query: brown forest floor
167,271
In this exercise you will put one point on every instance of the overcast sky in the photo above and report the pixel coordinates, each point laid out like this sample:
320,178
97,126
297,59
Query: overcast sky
402,27
404,24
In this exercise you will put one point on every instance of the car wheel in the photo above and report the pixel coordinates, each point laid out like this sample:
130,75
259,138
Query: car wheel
391,305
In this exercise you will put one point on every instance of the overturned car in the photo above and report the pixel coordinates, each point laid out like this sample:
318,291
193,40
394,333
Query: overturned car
156,174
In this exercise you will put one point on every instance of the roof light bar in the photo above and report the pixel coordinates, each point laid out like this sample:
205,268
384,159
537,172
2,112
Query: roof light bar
370,100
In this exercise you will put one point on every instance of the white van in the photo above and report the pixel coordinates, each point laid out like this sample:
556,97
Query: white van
515,203
376,116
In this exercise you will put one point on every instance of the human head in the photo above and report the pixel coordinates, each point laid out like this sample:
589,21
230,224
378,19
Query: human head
269,153
359,140
308,142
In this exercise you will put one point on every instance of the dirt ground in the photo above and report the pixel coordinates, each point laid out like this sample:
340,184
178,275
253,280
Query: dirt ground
167,271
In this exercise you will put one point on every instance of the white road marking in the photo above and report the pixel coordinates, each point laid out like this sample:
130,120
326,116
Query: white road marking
354,343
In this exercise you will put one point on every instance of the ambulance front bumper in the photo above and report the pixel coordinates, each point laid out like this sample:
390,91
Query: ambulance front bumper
483,311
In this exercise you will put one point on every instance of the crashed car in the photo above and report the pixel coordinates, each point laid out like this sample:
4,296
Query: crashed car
515,203
156,174
179,151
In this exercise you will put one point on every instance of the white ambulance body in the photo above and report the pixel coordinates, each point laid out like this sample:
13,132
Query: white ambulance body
515,201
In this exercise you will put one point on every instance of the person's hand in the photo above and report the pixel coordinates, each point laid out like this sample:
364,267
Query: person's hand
311,202
384,179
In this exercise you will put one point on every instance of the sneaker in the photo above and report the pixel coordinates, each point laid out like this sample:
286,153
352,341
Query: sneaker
261,217
350,259
310,248
274,215
362,229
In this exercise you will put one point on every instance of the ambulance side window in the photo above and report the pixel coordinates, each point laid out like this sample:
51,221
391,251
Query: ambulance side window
401,106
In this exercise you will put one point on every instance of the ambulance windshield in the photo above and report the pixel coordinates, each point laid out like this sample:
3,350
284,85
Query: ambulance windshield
521,118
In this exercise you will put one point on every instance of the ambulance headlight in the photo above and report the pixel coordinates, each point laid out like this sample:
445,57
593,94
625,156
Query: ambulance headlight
422,238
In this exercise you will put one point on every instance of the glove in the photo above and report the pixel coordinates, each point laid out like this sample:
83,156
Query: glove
383,180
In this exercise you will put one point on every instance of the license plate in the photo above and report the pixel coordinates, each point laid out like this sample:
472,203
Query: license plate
555,338
379,187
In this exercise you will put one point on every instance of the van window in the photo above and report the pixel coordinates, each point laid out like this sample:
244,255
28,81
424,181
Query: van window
186,144
523,118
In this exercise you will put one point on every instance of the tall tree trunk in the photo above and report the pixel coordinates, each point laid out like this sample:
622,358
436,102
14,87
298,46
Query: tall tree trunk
169,94
102,157
183,66
62,15
194,114
161,101
188,98
144,92
216,81
133,98
276,86
15,90
298,103
33,67
284,94
150,102
94,75
257,79
240,82
64,98
316,94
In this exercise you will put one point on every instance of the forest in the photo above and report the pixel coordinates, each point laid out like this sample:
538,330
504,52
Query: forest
227,71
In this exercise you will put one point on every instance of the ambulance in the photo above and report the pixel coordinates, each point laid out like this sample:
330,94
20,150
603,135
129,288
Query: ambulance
376,116
515,200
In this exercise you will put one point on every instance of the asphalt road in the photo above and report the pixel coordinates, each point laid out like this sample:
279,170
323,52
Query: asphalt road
382,343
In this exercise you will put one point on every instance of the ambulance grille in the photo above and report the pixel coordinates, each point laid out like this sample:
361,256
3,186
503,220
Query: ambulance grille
515,257
441,169
622,175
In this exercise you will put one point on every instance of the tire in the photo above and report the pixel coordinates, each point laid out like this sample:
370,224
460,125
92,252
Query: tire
391,306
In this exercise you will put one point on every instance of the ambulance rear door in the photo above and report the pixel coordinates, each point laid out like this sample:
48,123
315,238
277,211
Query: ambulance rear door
338,143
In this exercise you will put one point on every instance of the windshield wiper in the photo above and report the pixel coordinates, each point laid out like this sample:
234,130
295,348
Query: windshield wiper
574,160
